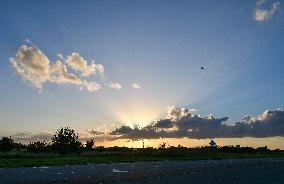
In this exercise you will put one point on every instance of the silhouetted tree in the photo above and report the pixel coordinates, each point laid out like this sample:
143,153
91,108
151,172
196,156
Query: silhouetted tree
6,144
90,144
162,145
37,147
65,141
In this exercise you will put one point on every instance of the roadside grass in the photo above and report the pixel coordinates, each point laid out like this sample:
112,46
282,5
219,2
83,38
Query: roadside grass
21,158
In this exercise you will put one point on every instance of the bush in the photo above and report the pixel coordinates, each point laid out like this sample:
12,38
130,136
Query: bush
100,148
90,144
37,147
6,144
65,141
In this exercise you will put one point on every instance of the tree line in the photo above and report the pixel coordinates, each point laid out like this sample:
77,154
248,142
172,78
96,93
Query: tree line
66,140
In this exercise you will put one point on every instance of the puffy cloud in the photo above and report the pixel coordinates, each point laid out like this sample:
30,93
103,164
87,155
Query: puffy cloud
269,123
90,86
115,85
78,63
59,74
136,86
176,113
34,66
264,15
60,56
182,122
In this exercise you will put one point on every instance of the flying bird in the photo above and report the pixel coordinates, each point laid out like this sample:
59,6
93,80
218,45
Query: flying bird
202,68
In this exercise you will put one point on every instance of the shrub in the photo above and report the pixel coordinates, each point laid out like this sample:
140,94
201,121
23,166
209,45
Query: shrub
90,144
6,144
37,147
100,148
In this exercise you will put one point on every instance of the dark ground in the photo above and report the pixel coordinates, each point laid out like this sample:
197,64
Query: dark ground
259,170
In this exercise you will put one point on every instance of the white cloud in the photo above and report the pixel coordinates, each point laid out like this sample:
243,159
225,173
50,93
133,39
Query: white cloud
27,40
175,112
115,85
34,66
78,63
60,56
59,74
90,86
264,15
136,86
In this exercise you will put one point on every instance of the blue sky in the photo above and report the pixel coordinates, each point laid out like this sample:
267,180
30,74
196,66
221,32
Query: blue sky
160,45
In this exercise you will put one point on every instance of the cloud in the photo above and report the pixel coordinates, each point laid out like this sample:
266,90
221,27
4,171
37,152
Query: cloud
263,14
27,40
27,137
90,86
136,86
183,125
95,132
165,123
115,85
60,56
182,122
175,113
32,65
78,63
59,74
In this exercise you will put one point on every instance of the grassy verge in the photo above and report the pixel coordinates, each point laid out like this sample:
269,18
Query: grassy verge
20,159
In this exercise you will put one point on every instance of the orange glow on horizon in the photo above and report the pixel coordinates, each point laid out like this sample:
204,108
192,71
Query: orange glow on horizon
272,143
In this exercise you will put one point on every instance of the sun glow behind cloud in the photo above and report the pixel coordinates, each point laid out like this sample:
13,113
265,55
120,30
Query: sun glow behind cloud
135,114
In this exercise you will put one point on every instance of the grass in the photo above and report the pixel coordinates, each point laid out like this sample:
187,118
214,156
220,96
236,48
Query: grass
14,158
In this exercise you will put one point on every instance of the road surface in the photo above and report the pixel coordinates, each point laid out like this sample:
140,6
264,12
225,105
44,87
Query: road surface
261,170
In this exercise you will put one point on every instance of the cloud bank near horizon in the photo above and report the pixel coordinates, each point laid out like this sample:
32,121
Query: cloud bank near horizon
185,123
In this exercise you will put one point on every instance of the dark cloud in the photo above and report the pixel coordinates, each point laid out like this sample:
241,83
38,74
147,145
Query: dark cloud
183,123
166,123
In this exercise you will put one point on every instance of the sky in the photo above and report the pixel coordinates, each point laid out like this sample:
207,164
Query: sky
125,70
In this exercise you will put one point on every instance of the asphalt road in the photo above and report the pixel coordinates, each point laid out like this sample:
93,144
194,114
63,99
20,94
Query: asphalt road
261,170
